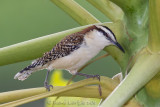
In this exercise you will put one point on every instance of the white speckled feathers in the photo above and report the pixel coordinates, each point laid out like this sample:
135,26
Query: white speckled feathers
93,43
70,53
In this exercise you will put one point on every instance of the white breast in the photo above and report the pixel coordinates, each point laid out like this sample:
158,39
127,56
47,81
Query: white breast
93,43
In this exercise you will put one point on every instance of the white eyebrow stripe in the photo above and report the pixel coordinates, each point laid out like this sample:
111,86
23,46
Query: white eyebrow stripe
110,34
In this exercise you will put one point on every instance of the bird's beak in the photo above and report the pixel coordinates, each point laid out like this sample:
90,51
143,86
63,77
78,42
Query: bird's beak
119,46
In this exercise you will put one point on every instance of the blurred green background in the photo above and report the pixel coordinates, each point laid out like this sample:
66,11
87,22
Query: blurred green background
22,20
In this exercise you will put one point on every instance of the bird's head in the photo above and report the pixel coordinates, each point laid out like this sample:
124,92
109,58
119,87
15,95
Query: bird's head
109,36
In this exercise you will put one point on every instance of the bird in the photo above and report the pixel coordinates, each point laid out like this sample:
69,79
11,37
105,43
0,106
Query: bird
72,52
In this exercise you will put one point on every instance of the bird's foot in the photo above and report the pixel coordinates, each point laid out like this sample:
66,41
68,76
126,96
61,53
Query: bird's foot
98,77
92,76
48,86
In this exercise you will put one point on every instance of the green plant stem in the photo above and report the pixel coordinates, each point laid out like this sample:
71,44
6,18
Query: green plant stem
36,47
18,94
13,97
91,90
134,80
127,5
105,82
136,12
108,8
78,13
32,49
135,22
154,25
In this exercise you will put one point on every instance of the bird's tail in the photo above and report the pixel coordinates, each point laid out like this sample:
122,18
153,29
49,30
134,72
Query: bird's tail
26,72
22,75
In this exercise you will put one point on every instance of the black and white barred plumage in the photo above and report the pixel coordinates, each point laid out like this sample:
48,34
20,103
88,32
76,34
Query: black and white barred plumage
73,51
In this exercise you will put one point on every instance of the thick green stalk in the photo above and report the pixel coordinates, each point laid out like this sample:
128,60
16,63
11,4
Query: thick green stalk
135,22
136,12
32,49
105,82
19,94
107,86
108,8
36,47
134,80
154,25
128,5
78,13
88,91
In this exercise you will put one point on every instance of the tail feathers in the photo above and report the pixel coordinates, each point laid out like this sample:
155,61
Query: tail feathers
23,75
26,72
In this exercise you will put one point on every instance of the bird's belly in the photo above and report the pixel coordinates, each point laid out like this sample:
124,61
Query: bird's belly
75,60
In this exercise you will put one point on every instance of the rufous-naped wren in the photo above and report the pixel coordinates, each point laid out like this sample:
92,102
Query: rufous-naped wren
72,52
